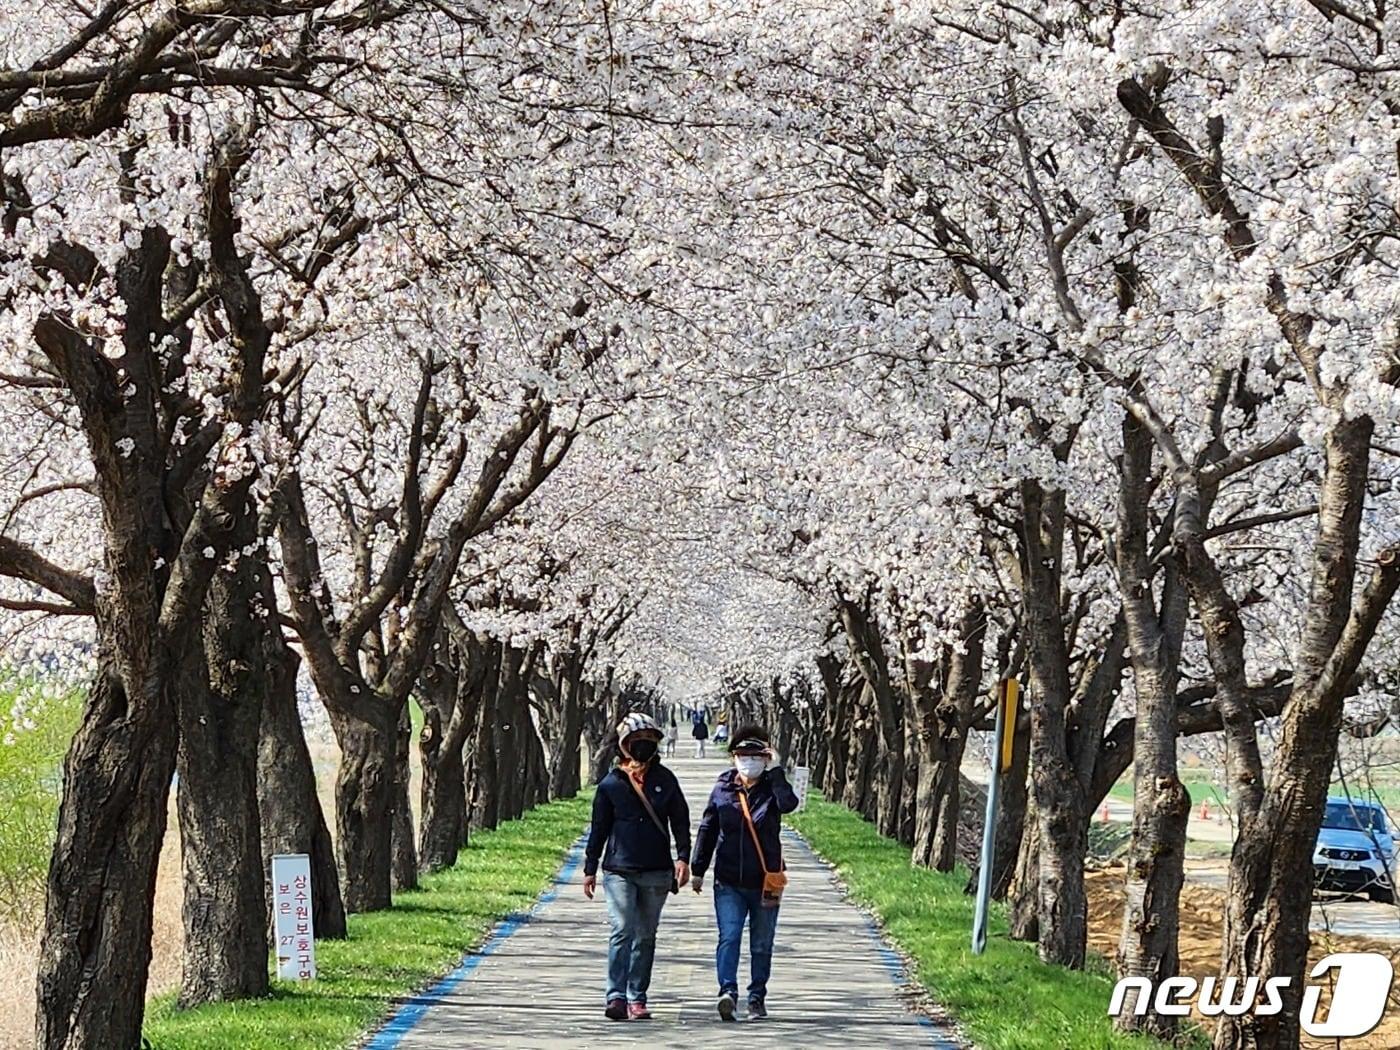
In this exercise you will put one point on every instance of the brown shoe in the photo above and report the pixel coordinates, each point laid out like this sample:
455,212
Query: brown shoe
616,1010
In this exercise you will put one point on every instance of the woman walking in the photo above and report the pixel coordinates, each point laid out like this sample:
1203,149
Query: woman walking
637,809
740,831
701,732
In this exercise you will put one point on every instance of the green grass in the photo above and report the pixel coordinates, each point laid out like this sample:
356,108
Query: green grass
1386,795
1006,998
36,723
1200,787
389,954
1203,789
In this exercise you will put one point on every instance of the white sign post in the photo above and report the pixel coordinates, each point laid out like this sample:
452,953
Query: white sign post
292,919
800,778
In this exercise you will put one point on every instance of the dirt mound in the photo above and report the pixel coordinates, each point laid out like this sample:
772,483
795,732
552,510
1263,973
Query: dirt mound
1202,920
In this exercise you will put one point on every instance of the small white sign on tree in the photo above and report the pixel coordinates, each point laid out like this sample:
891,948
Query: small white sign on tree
801,776
292,919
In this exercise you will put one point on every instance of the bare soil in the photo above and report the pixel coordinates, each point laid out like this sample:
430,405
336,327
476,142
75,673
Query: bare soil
1202,920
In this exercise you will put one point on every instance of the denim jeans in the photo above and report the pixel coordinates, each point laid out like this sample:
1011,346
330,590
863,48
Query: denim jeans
634,909
734,904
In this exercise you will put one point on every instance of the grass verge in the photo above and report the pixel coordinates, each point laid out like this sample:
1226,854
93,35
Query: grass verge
1200,787
1006,998
389,954
37,720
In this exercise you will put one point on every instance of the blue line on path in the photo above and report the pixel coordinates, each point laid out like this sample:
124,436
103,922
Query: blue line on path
894,965
899,973
412,1011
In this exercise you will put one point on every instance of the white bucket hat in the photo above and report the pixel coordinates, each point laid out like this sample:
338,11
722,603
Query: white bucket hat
637,722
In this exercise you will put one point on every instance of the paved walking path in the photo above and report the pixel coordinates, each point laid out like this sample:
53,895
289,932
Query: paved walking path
539,981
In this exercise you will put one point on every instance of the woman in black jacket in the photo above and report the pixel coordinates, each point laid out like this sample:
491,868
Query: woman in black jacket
638,808
700,732
758,785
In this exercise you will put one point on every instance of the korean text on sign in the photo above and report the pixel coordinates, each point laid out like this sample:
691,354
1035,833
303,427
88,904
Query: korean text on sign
293,922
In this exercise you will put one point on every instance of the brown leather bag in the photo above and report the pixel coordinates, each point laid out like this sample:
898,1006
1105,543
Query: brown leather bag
774,882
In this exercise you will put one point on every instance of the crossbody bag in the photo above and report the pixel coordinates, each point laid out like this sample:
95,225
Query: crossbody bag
774,882
646,803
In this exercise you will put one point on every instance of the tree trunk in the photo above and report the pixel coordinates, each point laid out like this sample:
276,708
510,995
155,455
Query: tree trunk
835,782
510,737
1063,829
938,780
221,698
1023,888
443,798
857,795
1011,826
1161,805
886,764
943,726
289,807
1270,889
820,731
485,807
933,772
451,692
96,949
405,862
1269,899
364,800
889,783
444,821
537,780
563,752
909,784
944,853
601,760
1064,841
537,771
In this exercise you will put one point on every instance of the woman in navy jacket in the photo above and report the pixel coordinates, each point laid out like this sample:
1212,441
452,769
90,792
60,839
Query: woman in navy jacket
631,840
724,838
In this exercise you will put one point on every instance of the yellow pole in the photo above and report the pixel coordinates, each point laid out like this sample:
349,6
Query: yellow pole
1010,698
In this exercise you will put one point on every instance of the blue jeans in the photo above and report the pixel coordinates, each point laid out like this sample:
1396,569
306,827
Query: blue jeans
634,909
734,904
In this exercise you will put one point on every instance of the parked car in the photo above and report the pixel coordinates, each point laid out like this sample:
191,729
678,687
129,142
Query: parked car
1355,850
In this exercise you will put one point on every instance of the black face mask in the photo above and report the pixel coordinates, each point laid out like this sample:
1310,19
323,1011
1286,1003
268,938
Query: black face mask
642,750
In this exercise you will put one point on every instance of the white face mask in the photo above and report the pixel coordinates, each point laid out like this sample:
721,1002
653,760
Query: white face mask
751,766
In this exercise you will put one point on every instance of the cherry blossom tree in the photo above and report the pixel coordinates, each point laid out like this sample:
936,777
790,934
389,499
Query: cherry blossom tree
828,365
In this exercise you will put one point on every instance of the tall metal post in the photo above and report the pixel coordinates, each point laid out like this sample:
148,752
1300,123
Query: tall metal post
1008,695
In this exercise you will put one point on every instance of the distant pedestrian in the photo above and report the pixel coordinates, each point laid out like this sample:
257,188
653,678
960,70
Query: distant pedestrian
721,734
673,736
740,831
637,809
701,732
